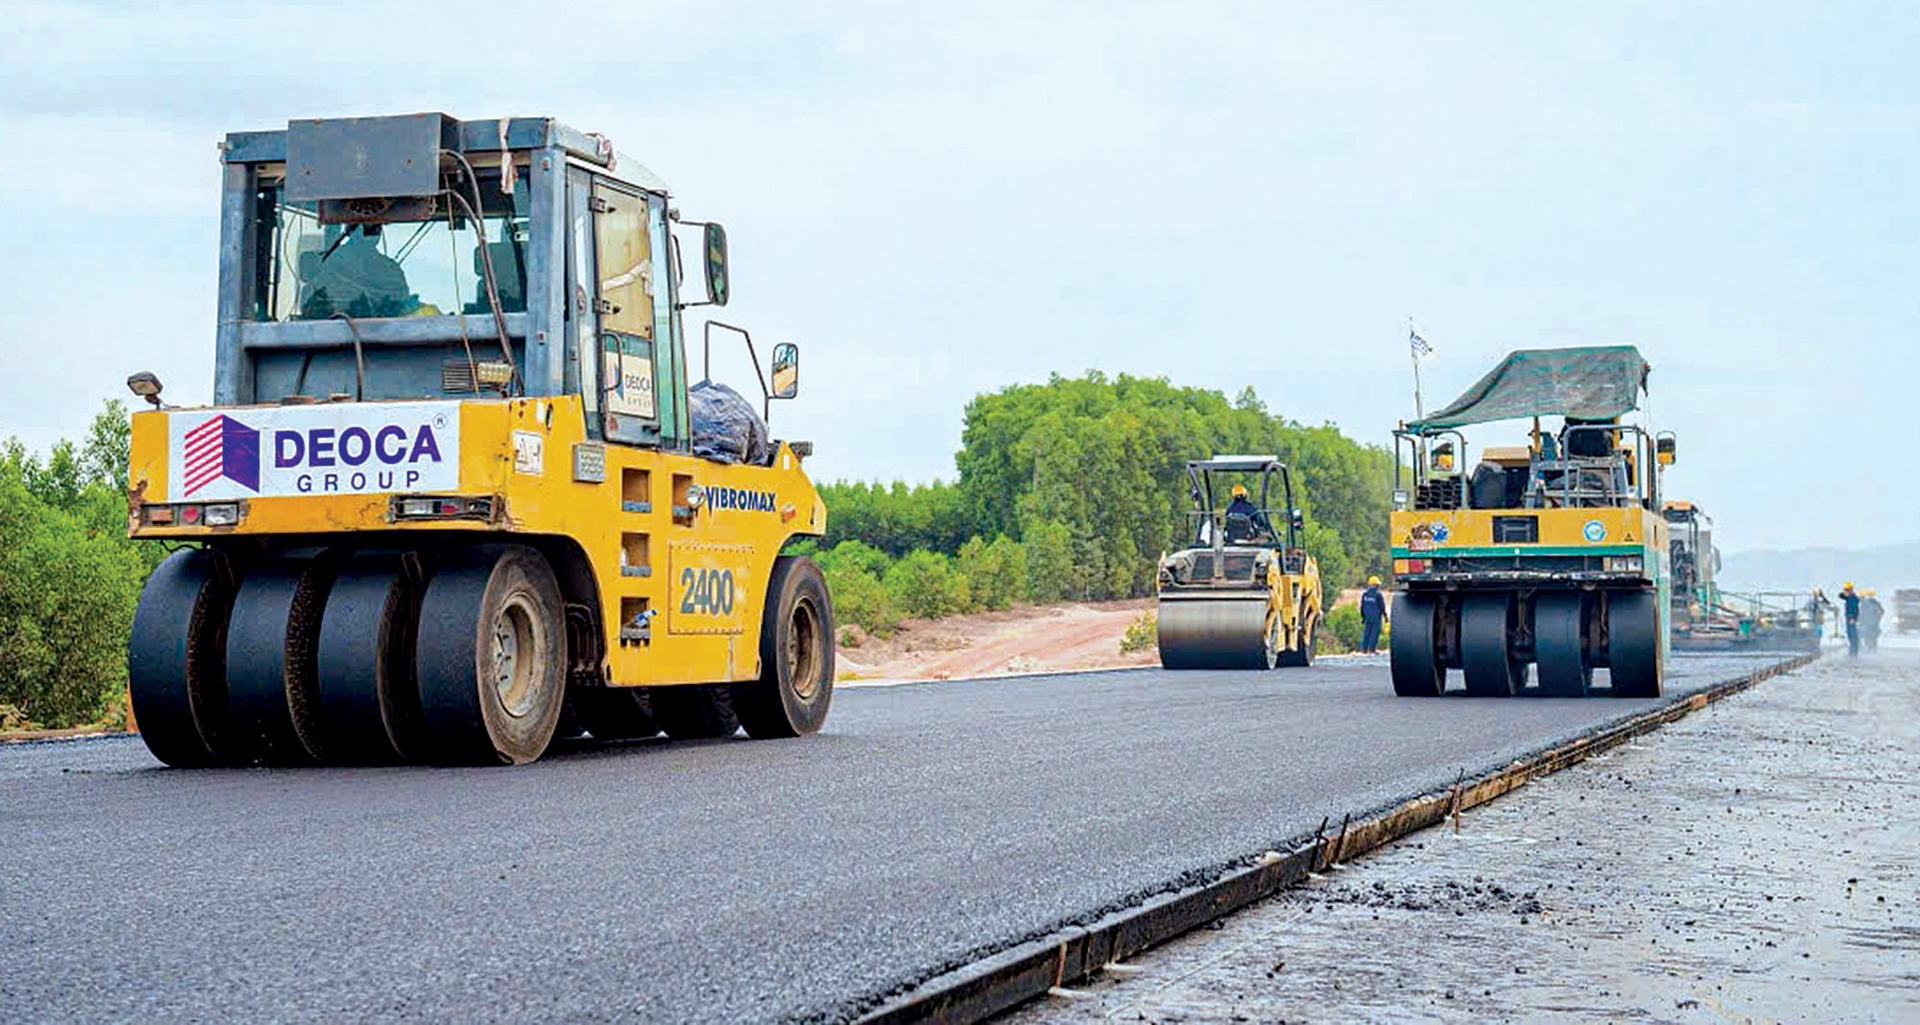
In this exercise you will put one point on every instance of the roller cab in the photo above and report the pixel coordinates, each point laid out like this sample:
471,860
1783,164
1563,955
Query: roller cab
1552,553
459,492
1245,594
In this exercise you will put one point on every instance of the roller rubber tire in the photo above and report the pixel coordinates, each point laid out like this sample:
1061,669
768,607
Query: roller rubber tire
176,660
369,699
696,711
1561,652
488,611
1633,644
273,636
795,688
1486,631
1413,649
615,713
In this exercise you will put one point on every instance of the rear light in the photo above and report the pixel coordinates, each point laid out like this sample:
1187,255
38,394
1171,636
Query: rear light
1625,563
439,507
216,514
1404,566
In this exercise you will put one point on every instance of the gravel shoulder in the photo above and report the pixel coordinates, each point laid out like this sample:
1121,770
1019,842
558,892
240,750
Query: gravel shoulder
1754,861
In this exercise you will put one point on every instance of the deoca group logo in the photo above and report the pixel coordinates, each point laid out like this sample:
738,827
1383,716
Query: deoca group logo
304,450
220,448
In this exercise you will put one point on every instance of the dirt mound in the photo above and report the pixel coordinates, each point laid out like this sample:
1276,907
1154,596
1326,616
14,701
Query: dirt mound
1029,639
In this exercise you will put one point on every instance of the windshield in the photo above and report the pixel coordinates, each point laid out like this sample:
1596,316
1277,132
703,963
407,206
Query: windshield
424,259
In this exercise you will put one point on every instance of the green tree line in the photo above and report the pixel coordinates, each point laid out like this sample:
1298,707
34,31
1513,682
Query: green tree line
1072,489
69,578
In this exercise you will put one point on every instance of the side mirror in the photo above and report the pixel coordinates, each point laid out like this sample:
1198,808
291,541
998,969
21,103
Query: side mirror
1663,449
1299,519
716,237
786,370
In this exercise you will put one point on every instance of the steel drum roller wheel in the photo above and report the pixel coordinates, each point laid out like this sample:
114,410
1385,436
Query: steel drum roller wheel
1413,647
1486,630
491,657
1560,644
1217,633
1633,644
369,699
795,687
176,659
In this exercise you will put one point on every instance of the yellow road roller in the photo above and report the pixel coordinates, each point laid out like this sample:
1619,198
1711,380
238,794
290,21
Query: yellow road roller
1245,595
457,490
1551,553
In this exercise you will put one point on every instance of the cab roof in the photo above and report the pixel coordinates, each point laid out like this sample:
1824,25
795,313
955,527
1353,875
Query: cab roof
490,135
1235,464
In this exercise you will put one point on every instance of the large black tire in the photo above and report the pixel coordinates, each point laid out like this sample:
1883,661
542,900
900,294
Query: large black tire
177,659
272,637
369,699
1486,650
1414,649
1633,644
696,711
795,687
1561,648
491,657
1301,654
615,713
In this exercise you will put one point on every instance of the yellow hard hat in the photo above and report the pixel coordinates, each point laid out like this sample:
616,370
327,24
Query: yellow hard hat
1373,581
1239,491
1869,592
1849,586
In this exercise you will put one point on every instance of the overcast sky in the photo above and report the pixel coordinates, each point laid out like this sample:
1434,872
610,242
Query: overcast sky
940,200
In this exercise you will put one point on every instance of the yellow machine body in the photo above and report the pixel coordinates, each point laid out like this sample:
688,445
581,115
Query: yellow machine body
690,540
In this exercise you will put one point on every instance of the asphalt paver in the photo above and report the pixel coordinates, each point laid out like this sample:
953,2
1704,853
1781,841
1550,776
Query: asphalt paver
928,826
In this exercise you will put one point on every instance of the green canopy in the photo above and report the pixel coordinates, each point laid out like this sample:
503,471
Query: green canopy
1593,383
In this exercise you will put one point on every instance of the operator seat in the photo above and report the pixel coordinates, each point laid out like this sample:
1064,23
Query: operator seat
507,277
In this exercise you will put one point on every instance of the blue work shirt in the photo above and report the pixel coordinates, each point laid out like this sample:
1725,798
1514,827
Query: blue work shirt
1373,605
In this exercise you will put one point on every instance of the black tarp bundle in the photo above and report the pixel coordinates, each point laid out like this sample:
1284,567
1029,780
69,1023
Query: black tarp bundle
726,427
1593,383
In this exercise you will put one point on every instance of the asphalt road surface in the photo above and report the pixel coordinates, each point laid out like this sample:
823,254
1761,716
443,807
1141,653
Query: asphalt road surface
1757,863
735,880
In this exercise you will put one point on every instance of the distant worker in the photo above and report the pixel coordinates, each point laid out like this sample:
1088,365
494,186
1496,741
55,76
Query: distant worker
1373,611
1817,609
1870,613
1244,520
1850,613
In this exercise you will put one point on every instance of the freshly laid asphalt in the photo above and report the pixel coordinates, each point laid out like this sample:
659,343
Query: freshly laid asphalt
928,825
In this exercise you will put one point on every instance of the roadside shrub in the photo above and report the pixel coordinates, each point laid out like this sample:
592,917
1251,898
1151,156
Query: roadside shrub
925,584
1051,574
67,591
1343,625
855,555
996,573
1142,633
860,599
